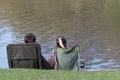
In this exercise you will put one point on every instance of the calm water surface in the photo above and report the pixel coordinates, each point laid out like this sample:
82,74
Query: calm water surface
91,24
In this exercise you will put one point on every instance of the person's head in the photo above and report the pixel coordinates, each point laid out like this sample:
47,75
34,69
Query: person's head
29,38
61,42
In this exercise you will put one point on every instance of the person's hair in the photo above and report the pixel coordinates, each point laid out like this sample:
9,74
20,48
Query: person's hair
63,40
29,38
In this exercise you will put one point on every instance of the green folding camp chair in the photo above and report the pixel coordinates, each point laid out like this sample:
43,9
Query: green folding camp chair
26,55
67,59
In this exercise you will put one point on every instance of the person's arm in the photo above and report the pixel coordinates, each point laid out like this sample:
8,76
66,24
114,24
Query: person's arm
52,60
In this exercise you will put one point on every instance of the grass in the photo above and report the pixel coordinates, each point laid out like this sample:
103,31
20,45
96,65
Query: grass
32,74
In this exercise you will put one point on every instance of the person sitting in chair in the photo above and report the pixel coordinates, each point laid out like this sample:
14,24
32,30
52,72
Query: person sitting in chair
63,58
31,38
26,55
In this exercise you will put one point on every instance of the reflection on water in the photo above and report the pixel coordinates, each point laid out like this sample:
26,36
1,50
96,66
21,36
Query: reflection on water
93,25
6,37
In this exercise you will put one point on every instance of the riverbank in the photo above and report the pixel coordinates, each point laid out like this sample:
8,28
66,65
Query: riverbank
31,74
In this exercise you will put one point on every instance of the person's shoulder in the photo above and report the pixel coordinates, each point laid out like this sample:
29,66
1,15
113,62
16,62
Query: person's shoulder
57,49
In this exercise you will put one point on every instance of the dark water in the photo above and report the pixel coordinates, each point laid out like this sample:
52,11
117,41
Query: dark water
91,24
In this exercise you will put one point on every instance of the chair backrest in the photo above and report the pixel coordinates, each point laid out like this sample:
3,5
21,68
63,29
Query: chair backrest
24,55
67,59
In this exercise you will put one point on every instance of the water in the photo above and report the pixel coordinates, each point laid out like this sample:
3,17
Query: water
93,25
